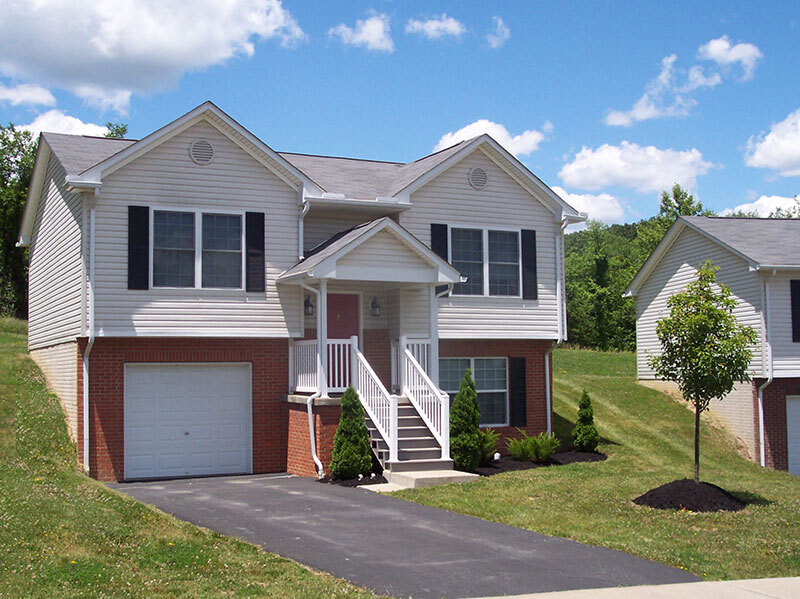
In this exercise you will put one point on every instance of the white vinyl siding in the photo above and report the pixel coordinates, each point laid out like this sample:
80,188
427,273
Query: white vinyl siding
677,268
785,352
234,181
415,312
383,257
59,364
449,199
56,269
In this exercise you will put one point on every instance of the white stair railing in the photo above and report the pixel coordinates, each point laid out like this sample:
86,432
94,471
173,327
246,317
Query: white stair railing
380,406
432,404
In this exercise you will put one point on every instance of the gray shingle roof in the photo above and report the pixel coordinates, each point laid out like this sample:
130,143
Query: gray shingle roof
357,179
80,152
766,241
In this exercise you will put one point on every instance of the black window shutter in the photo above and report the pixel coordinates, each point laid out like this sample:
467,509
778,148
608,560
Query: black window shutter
517,388
795,293
439,246
529,285
138,247
254,242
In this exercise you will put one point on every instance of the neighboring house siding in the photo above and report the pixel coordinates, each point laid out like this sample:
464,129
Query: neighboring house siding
677,268
317,229
59,363
785,353
55,268
167,177
450,200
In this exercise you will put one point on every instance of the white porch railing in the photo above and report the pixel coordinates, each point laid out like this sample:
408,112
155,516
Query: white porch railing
339,364
419,348
380,406
303,362
432,404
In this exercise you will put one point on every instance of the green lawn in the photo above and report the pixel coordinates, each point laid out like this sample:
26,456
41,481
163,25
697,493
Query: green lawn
648,439
63,534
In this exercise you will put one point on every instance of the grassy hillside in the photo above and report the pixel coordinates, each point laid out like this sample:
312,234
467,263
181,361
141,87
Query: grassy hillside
648,439
65,535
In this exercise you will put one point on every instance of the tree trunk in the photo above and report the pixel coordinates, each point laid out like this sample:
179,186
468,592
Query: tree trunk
697,443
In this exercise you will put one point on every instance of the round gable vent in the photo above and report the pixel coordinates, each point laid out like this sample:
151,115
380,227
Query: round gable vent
477,177
201,151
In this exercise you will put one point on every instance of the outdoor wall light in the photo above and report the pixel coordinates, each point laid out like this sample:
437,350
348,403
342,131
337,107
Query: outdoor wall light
376,308
308,307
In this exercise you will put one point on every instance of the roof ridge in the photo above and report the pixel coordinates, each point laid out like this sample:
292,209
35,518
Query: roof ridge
343,158
463,141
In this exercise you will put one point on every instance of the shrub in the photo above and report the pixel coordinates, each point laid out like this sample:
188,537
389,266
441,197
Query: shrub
584,435
465,432
533,448
489,439
351,451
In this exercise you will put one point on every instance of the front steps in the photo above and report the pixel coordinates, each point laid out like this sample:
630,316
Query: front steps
420,456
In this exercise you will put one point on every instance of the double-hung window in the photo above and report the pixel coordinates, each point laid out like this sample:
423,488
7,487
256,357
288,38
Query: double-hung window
490,259
491,384
196,249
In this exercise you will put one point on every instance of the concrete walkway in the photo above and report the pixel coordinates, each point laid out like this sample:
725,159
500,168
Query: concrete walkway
393,546
762,588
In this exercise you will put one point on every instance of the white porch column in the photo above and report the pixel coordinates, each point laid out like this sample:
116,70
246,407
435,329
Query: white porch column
322,339
402,363
433,356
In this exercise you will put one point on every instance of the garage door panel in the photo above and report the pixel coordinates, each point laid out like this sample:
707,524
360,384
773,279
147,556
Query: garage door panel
186,419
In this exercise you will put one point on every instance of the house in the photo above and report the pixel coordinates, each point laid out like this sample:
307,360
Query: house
759,259
199,301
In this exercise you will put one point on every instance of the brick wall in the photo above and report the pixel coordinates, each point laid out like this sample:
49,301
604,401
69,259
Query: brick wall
776,448
533,351
270,362
326,421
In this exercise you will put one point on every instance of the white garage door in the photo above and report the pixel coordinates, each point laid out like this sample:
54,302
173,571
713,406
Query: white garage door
187,419
793,432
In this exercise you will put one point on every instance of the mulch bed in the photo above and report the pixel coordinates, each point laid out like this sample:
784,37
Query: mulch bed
354,482
685,494
509,464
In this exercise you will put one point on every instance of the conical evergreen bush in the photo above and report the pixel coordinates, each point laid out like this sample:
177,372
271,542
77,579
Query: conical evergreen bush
465,434
584,435
351,451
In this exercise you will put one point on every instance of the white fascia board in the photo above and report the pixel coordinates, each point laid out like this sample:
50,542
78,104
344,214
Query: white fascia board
40,165
720,243
654,258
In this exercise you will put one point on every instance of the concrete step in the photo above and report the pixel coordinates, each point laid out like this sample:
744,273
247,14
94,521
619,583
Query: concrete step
428,478
419,465
419,453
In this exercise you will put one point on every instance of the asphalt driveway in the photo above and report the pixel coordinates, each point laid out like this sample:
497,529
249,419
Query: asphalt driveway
394,546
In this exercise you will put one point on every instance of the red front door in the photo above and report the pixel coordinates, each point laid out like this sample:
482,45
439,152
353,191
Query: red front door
342,315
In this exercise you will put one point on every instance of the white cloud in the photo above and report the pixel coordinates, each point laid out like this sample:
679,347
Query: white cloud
644,168
603,207
664,96
56,121
109,50
26,94
436,27
499,33
765,205
519,145
779,149
722,52
373,33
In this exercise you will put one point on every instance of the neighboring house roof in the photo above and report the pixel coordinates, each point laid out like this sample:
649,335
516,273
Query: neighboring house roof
764,243
346,241
76,153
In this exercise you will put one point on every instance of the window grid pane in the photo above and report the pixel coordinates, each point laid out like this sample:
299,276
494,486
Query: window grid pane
467,248
173,249
222,251
503,263
451,371
491,383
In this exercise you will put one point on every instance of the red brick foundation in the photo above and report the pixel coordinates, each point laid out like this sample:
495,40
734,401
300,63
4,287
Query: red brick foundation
326,421
270,360
776,443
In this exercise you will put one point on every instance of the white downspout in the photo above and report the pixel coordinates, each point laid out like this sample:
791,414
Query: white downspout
761,433
305,206
548,399
310,403
561,324
91,335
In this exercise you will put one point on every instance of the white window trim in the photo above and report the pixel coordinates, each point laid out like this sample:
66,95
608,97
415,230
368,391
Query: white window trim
198,244
485,246
472,368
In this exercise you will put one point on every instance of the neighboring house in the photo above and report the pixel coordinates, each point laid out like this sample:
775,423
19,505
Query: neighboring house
183,287
759,259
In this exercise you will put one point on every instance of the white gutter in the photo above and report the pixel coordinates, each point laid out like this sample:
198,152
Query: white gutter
761,434
91,335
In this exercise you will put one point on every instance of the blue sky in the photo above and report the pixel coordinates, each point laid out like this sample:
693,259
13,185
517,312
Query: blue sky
607,102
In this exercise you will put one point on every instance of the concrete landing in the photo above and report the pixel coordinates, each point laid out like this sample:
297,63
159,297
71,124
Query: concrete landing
429,478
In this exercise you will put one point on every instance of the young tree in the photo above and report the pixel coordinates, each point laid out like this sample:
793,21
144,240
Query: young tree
704,349
351,451
17,152
584,433
116,130
465,433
